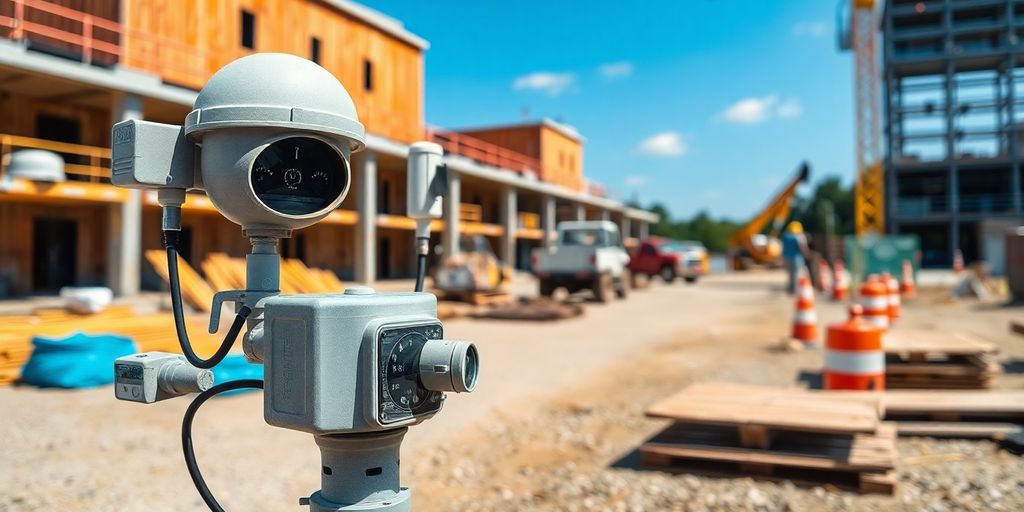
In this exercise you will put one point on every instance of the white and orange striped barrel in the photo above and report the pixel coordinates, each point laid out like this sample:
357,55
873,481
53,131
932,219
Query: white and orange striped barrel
874,299
893,286
854,357
805,320
841,287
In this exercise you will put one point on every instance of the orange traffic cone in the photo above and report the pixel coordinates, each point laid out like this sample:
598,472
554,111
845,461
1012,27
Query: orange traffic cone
841,287
958,261
824,277
907,287
874,298
854,357
805,320
893,286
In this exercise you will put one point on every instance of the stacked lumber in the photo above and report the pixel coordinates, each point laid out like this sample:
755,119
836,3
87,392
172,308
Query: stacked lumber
805,437
150,332
972,413
531,310
194,289
919,359
227,273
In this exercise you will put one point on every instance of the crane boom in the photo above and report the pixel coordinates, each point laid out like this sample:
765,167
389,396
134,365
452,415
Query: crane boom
741,242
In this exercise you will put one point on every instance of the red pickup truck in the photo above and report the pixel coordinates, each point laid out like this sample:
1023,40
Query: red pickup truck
669,259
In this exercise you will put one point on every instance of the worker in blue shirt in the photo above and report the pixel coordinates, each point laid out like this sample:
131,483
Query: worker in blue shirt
794,252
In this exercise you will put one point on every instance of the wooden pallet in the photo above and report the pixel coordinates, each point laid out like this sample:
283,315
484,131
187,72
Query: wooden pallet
918,359
536,310
1017,326
955,413
862,462
807,437
791,409
481,298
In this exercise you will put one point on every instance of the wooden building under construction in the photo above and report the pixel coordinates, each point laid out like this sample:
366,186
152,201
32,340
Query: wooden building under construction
69,69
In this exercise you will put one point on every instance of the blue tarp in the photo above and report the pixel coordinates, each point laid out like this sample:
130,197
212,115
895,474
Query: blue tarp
235,367
77,361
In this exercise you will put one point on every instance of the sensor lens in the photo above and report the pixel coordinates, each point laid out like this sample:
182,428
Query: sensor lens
298,176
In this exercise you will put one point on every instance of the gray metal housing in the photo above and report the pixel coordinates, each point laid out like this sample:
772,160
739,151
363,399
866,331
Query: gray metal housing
321,357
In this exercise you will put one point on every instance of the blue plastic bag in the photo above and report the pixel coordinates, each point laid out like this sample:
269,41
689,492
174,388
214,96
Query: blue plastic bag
235,367
77,361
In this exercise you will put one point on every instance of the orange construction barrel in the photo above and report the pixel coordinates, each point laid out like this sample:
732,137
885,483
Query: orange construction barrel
854,357
874,298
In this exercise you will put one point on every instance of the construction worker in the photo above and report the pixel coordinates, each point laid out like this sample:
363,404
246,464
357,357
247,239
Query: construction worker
794,252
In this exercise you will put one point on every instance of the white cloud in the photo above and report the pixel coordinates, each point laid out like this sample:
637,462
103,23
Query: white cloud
755,110
547,82
620,69
664,144
750,110
790,108
815,29
636,181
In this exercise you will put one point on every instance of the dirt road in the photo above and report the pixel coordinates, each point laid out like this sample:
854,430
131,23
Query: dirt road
552,425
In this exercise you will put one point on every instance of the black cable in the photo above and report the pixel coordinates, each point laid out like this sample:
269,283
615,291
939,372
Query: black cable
186,435
171,243
421,262
421,271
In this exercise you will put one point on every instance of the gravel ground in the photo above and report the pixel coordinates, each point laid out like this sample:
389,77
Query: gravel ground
554,425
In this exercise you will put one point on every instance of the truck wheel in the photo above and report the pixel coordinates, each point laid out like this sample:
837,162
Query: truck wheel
547,288
623,285
603,287
690,279
668,274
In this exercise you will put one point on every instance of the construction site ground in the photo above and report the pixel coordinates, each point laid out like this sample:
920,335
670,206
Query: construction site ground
554,424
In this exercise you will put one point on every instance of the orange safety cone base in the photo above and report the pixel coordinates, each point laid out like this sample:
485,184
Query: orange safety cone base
833,380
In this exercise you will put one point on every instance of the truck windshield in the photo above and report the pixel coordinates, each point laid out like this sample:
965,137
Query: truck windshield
585,237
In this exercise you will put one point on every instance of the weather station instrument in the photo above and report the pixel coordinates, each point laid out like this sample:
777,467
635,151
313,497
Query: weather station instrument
354,369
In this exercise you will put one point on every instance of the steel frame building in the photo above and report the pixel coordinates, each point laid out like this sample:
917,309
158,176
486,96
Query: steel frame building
954,116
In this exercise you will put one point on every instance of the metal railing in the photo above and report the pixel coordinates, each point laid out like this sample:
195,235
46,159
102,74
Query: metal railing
94,39
82,163
923,206
482,151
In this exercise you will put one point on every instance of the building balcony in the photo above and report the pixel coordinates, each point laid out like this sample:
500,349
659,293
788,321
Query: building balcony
483,152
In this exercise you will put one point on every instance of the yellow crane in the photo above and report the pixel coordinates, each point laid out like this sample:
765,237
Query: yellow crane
748,246
858,31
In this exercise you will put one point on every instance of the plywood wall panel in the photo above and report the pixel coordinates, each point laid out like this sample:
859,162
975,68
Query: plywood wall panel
186,41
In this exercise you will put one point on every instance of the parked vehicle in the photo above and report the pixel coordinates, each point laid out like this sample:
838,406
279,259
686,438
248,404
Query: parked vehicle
669,259
474,269
588,255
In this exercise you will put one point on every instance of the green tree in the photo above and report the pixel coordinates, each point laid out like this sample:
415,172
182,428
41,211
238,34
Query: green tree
812,211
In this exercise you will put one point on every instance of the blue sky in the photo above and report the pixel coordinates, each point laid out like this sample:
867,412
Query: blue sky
698,104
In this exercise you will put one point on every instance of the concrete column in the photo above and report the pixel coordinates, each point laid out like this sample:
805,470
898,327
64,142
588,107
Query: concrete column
644,230
450,237
606,215
366,225
510,212
581,212
624,227
549,220
125,242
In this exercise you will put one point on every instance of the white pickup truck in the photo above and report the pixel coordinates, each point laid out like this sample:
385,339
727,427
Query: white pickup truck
587,256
